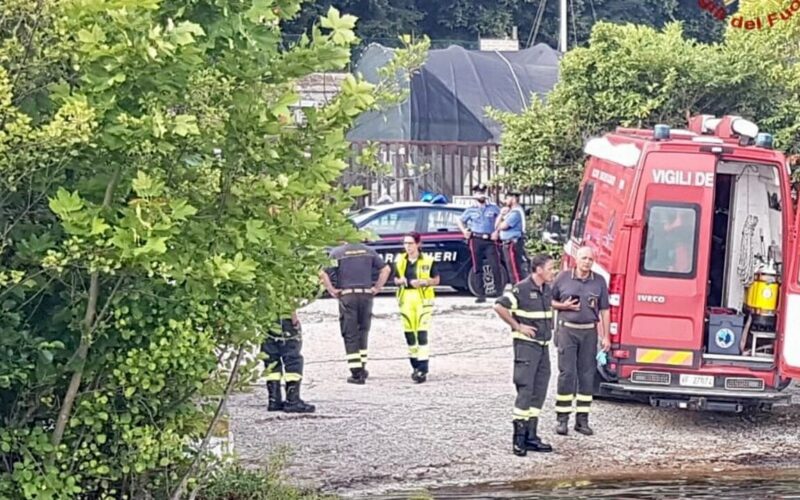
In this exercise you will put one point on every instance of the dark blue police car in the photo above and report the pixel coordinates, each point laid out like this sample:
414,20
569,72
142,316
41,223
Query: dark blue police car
441,238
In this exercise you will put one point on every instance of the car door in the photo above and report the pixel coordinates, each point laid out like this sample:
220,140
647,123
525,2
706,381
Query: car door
443,240
789,359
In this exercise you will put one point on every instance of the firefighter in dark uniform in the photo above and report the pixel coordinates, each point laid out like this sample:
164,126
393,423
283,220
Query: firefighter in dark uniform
478,225
510,231
352,272
526,308
581,297
284,361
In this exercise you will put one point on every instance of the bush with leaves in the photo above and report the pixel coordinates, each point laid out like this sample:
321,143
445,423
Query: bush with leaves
158,203
232,481
636,76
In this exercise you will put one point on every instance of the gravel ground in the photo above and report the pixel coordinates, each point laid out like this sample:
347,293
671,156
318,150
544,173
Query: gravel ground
394,435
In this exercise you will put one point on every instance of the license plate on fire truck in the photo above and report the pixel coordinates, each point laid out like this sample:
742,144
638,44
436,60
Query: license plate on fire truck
697,380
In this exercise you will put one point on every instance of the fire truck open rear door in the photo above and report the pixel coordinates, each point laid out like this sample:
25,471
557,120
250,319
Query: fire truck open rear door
789,359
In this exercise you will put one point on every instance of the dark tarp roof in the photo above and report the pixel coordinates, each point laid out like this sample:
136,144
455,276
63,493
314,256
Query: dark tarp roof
450,94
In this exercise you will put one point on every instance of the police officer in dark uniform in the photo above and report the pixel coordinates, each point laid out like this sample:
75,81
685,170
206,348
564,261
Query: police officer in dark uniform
527,310
510,229
581,297
284,361
478,225
352,271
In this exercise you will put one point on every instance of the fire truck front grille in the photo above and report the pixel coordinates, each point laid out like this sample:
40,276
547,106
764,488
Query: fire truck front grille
648,377
744,384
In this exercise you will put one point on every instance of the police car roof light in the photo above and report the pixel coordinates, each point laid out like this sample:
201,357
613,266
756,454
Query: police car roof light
434,198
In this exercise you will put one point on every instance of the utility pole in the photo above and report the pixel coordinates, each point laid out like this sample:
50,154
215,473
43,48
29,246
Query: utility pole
562,36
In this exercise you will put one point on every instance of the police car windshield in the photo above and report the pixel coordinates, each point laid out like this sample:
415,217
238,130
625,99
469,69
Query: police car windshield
362,213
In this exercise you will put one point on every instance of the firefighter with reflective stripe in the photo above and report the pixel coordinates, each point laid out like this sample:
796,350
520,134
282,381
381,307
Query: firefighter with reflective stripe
282,346
352,268
478,226
581,297
527,310
415,277
510,231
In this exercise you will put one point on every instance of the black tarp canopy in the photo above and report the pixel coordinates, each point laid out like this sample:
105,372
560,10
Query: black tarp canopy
449,95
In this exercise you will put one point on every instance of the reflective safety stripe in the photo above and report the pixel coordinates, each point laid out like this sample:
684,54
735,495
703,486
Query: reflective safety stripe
409,324
354,360
273,376
292,377
534,412
521,336
582,409
584,397
519,414
564,403
363,354
423,353
532,314
510,296
663,357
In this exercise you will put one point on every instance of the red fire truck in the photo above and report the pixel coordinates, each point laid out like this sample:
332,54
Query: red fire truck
696,233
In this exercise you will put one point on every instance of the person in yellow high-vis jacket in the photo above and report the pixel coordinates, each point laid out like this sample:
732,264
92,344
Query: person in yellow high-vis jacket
415,277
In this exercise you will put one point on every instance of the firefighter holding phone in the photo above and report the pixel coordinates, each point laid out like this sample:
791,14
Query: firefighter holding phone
581,297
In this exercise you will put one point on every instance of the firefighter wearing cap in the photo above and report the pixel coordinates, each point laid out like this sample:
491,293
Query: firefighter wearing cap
352,267
478,225
581,297
415,277
526,308
510,231
284,360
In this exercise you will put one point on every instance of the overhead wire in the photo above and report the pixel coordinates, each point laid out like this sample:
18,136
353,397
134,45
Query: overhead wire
537,22
574,25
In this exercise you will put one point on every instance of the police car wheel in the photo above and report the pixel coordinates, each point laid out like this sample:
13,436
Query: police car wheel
491,289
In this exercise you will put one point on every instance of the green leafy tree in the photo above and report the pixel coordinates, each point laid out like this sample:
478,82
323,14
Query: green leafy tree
377,18
466,20
637,76
159,205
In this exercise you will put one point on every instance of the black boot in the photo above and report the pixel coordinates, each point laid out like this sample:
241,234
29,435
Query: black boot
357,376
520,432
419,376
275,401
364,371
532,442
293,402
582,424
563,423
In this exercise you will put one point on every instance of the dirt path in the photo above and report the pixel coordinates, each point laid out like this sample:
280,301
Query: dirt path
392,434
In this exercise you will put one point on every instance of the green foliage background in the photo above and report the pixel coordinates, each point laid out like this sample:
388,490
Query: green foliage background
158,206
638,76
465,20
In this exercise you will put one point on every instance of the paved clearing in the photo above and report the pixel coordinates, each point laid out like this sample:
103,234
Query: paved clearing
392,434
